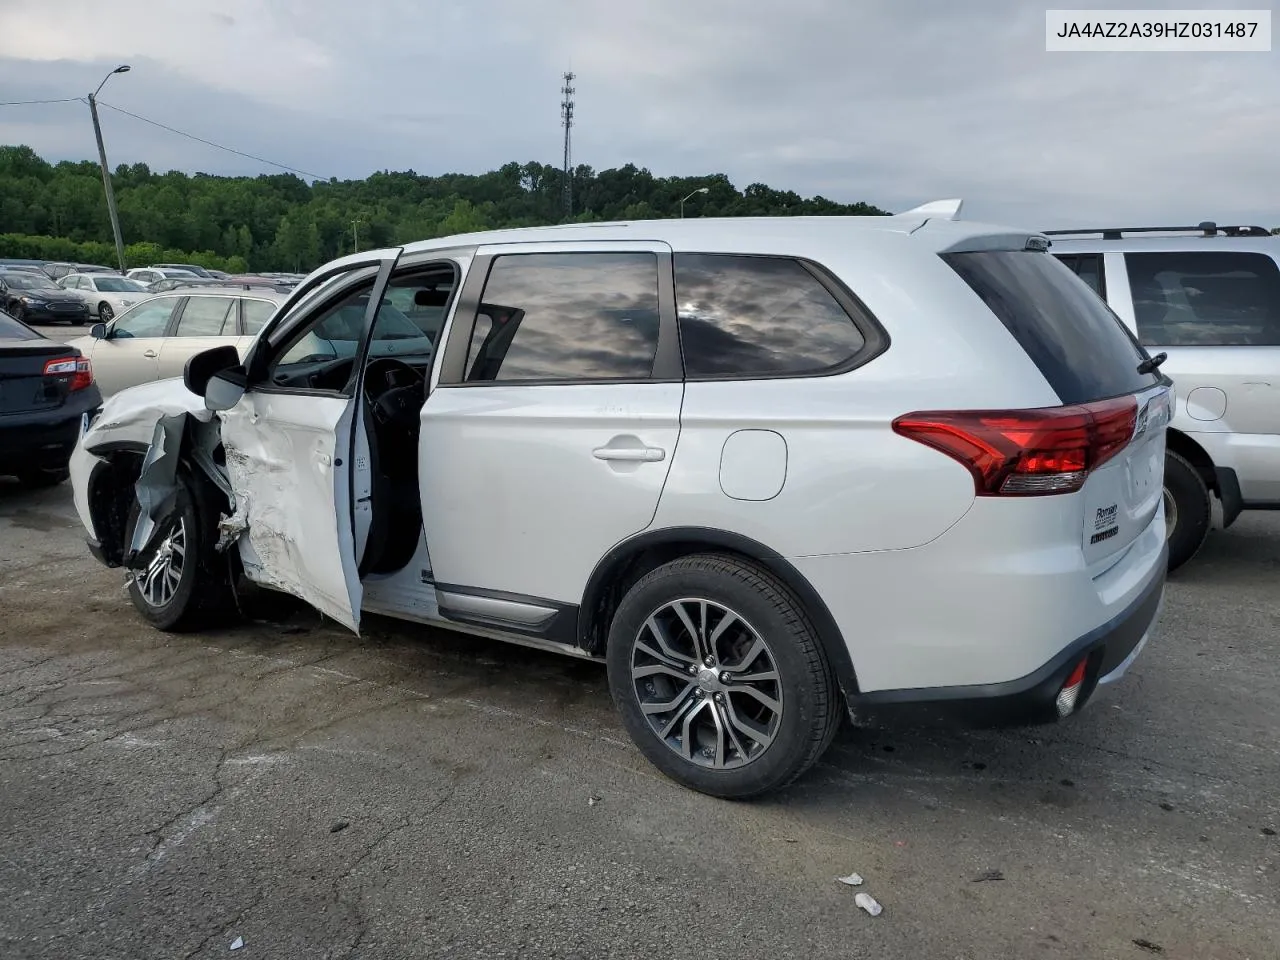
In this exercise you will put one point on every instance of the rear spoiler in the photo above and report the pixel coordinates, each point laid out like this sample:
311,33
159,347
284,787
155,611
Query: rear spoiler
936,210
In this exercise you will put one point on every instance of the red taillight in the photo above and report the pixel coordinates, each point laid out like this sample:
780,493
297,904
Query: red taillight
1027,452
78,371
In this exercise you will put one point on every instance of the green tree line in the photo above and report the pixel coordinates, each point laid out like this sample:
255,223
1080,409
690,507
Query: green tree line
56,211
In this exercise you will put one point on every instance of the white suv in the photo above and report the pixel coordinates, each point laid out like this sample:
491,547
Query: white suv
1209,298
757,466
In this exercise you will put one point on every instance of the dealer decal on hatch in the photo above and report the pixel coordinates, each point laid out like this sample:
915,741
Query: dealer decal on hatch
1104,522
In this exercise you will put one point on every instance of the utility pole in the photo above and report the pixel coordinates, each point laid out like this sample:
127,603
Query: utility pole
355,237
566,120
106,171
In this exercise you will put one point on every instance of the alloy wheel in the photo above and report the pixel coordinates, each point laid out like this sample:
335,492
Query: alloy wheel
158,582
707,683
1170,514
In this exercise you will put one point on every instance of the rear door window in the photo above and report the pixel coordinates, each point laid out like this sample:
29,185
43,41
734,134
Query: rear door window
566,317
1206,298
206,317
1076,341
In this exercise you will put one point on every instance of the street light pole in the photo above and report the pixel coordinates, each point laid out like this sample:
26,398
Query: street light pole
691,196
106,172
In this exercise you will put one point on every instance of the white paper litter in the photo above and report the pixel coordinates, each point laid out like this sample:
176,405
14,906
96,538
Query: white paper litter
237,943
868,903
853,880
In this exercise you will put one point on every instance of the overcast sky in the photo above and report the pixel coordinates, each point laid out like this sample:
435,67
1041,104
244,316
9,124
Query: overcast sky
890,101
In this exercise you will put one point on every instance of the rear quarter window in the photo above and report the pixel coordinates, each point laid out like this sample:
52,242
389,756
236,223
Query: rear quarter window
1206,298
758,316
1080,346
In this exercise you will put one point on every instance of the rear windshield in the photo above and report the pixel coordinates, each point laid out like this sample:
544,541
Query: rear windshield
1081,347
11,329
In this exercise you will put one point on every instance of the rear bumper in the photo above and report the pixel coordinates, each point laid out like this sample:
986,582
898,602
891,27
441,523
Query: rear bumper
1108,650
44,439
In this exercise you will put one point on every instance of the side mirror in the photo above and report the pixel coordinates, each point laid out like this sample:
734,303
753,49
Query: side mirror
224,390
98,331
206,364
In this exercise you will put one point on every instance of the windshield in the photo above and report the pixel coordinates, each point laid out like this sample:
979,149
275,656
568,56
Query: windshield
22,281
118,285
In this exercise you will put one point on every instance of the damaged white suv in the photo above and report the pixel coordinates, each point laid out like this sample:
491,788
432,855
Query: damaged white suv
762,468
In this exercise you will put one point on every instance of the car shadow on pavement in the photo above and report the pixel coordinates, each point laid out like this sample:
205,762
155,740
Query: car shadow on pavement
1051,764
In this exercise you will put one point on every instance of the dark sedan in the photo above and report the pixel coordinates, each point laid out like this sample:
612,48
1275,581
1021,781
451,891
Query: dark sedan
33,297
46,389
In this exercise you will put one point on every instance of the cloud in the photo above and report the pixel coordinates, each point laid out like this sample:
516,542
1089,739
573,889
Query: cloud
894,102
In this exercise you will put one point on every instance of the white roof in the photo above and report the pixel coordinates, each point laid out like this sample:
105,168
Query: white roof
941,217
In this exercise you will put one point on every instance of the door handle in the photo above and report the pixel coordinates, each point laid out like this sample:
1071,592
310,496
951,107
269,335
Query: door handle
150,353
633,454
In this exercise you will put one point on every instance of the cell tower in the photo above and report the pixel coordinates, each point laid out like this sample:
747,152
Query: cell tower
566,120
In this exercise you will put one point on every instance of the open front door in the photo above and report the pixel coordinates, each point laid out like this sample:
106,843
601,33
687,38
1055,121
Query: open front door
295,446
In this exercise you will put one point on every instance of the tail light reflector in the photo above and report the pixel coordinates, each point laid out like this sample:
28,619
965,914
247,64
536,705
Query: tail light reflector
1070,691
77,371
1027,452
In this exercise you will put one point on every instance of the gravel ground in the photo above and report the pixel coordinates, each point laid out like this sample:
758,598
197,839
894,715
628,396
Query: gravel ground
420,793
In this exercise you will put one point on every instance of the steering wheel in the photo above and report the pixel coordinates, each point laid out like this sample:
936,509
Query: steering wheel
395,390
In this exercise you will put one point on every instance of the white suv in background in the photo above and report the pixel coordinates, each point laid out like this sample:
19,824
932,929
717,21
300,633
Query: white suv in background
1209,298
758,467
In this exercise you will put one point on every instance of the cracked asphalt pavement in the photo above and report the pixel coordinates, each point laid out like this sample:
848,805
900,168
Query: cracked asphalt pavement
416,793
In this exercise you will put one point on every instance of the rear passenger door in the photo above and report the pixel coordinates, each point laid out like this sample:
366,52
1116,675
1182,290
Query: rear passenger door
202,322
549,433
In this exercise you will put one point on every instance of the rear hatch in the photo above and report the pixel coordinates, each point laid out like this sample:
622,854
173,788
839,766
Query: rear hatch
24,357
1092,362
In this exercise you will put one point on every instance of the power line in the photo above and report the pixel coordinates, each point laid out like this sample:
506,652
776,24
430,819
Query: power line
22,103
210,143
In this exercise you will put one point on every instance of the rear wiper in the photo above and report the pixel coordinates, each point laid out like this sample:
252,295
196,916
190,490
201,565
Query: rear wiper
1151,364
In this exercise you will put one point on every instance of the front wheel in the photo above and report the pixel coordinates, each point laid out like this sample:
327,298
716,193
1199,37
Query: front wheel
720,678
179,584
105,313
1188,512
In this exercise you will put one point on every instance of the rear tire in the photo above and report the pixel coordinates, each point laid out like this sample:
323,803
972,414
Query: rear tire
738,746
105,313
183,584
1186,497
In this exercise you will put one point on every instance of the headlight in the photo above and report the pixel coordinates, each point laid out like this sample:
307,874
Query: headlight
32,300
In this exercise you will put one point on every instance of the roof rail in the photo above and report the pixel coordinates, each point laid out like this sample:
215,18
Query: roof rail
1205,228
941,209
